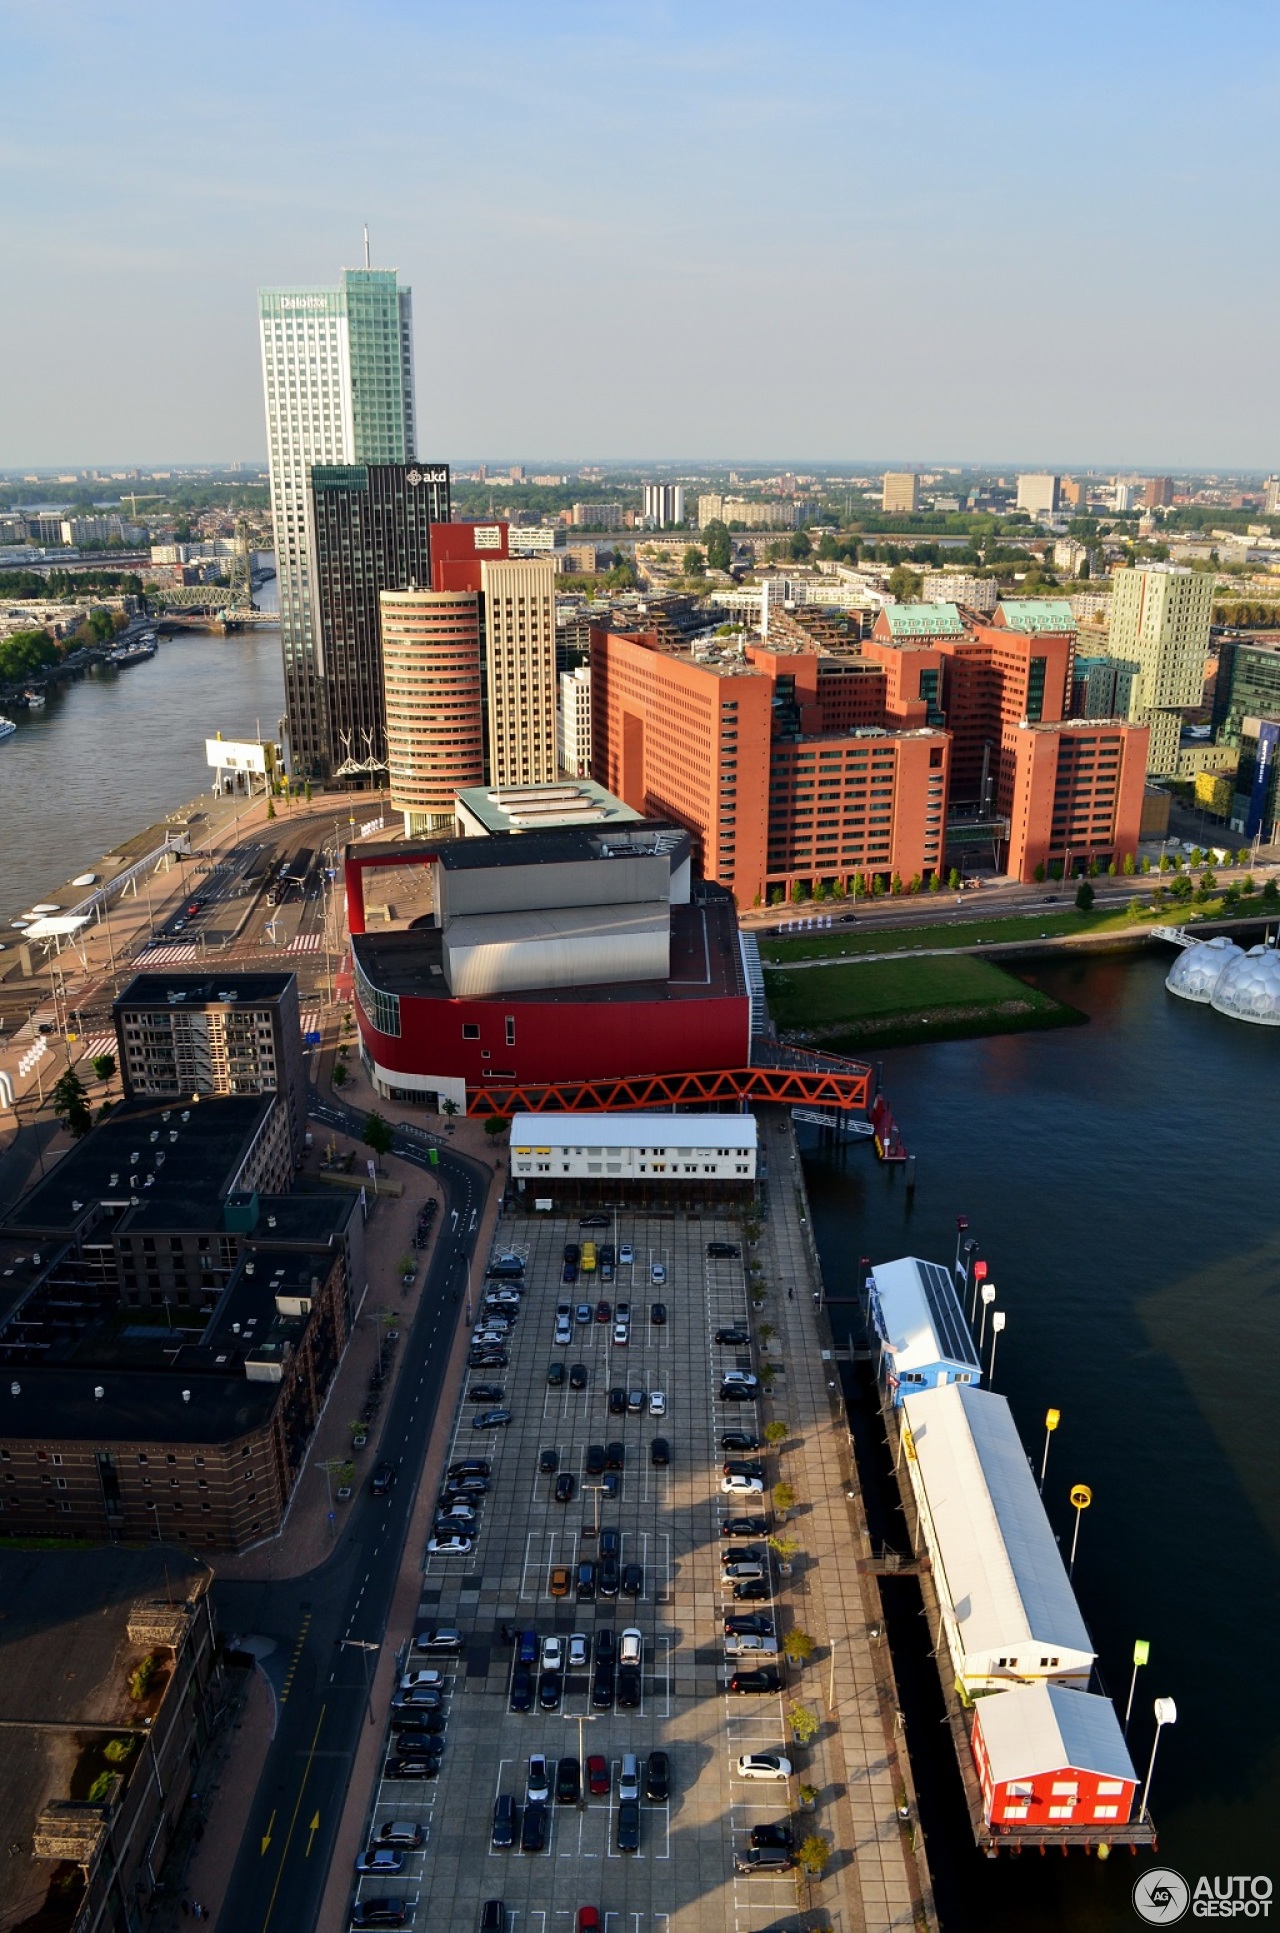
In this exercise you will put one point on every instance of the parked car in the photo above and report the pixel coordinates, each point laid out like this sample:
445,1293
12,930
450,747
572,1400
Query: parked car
401,1832
658,1274
585,1582
381,1912
615,1455
626,1255
568,1782
657,1778
445,1637
779,1833
380,1859
565,1486
658,1314
538,1780
578,1376
743,1527
602,1687
424,1680
555,1374
748,1572
522,1689
751,1590
617,1401
629,1776
597,1775
763,1859
564,1329
550,1687
533,1829
583,1312
548,1462
449,1546
505,1814
657,1402
630,1646
604,1310
660,1453
491,1419
411,1768
733,1335
470,1466
579,1651
527,1647
749,1644
632,1580
621,1334
742,1486
635,1401
766,1679
743,1467
764,1765
736,1393
722,1251
628,1832
595,1460
559,1584
485,1393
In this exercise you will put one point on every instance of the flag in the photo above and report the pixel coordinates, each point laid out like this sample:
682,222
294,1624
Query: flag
1141,1650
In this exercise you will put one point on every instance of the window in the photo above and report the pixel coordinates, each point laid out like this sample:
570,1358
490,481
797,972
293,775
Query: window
511,1030
1106,1812
1061,1811
1110,1785
1066,1787
470,1030
1046,1663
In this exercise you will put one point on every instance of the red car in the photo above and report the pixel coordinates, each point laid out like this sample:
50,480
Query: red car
598,1775
588,1920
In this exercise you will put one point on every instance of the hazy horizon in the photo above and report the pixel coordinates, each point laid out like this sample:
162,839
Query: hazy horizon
863,228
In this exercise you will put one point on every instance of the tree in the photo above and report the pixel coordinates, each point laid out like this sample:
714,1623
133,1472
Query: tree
935,882
1270,895
377,1133
904,584
495,1125
800,547
1084,896
798,1645
784,1548
953,879
1038,874
1128,867
805,1724
797,893
71,1104
104,1066
775,1432
715,536
694,562
450,1108
813,1854
1242,857
784,1497
271,808
339,1074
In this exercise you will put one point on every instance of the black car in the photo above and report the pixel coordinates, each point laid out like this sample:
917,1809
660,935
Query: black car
723,1251
629,1825
596,1458
615,1455
752,1590
749,1624
569,1274
485,1393
628,1687
565,1486
429,1724
734,1335
555,1374
735,1393
382,1480
470,1466
610,1482
568,1782
578,1376
632,1580
548,1462
660,1453
749,1554
522,1689
381,1912
420,1744
458,1488
610,1542
743,1527
488,1359
608,1255
417,1698
550,1690
610,1576
733,1441
606,1645
572,1253
768,1678
503,1833
533,1832
412,1768
744,1467
584,1588
602,1687
778,1834
493,1917
593,1221
617,1401
657,1778
658,1314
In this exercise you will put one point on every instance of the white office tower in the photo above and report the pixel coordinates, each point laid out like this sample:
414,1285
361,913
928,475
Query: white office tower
520,669
664,505
337,376
574,723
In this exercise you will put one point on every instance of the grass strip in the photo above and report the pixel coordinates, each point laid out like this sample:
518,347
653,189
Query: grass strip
891,1002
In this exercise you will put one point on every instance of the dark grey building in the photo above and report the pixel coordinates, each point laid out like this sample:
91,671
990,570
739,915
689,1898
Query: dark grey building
369,531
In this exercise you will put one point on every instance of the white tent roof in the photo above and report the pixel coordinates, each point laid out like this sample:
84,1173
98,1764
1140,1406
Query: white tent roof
633,1131
52,929
1003,1571
923,1321
1034,1729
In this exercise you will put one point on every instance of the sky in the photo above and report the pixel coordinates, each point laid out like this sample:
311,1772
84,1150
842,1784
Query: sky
906,233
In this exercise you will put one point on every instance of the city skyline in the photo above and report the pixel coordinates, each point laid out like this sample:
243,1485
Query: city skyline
1077,246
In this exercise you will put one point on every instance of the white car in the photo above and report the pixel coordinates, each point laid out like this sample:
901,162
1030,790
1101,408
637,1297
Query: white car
564,1329
538,1787
579,1651
657,1402
449,1546
764,1765
738,1378
411,1680
658,1272
621,1334
742,1486
552,1654
630,1646
741,1644
626,1255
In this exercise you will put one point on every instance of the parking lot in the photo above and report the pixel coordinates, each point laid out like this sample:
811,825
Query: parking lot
666,1520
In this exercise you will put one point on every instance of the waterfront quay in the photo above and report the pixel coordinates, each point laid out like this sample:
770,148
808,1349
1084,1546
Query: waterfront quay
849,1783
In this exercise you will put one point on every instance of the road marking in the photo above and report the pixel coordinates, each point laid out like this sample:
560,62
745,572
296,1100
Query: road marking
311,1834
284,1853
287,1687
266,1837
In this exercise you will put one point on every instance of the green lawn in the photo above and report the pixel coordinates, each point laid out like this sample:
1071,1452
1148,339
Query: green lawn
950,931
849,1007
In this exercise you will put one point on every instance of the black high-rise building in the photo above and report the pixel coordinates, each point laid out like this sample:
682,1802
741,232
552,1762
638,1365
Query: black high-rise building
370,531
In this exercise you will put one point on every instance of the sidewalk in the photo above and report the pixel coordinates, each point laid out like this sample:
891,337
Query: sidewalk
857,1760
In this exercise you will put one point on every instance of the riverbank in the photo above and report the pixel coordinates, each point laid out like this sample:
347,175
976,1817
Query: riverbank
882,1003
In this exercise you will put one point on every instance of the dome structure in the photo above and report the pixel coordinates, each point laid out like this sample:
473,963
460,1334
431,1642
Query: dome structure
1249,988
1196,971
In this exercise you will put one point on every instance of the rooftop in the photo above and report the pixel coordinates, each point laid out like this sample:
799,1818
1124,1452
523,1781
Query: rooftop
563,845
1038,614
164,989
654,1131
923,621
1031,1730
534,808
923,1321
1004,1572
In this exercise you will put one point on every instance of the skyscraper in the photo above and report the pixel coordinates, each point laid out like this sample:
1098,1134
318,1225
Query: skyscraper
337,375
1160,617
369,531
520,666
664,505
435,729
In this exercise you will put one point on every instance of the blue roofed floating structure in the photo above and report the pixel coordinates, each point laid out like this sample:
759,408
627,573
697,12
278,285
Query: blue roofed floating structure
924,1338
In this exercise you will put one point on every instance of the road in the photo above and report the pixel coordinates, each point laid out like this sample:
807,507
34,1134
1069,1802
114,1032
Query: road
320,1620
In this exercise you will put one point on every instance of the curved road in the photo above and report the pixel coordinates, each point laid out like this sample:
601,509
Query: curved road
319,1680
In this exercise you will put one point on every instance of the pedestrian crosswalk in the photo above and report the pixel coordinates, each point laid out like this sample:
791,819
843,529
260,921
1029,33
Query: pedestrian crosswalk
311,1021
99,1044
304,943
154,956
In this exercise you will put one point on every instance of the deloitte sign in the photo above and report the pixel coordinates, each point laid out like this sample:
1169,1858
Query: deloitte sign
1162,1897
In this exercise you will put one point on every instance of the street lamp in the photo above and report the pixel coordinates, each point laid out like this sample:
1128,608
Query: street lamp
1081,1498
970,1250
580,1719
1052,1418
962,1223
979,1276
1166,1714
988,1297
997,1324
1141,1652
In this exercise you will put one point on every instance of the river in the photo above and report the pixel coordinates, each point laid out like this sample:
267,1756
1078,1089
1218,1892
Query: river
1121,1180
118,750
